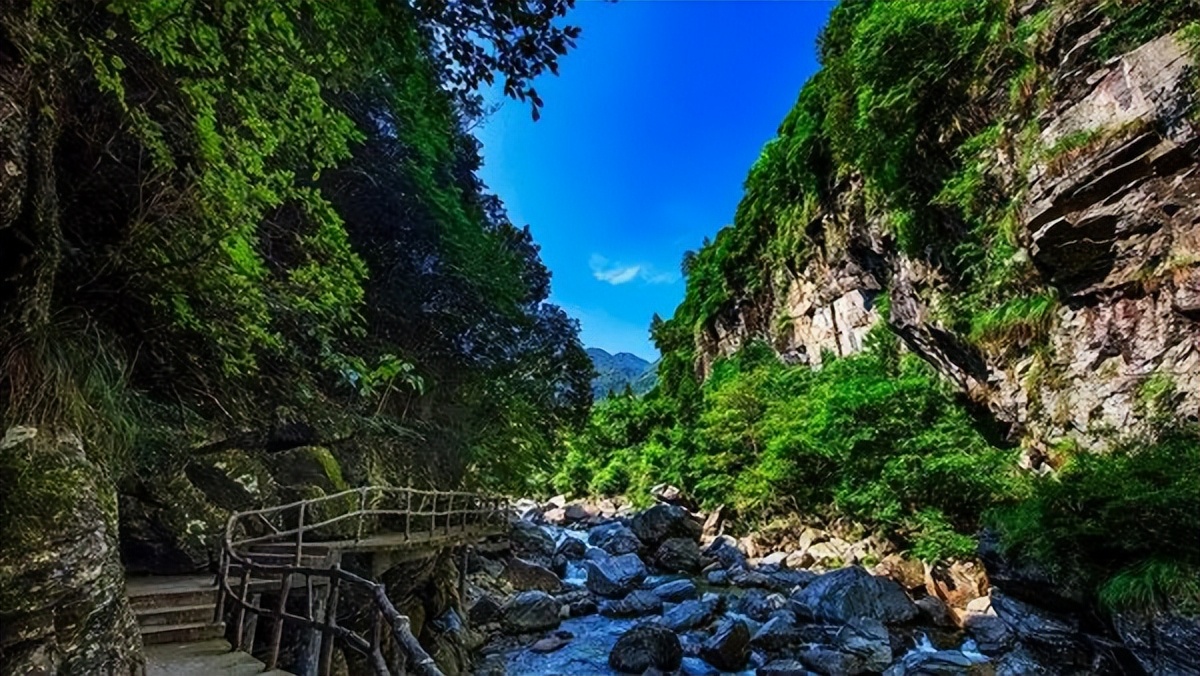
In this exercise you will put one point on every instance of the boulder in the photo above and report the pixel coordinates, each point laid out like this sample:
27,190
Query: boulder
867,641
810,536
909,573
777,633
552,642
992,636
1055,636
528,510
746,579
935,611
956,583
831,553
939,663
615,538
576,512
714,521
758,605
556,516
661,522
798,560
484,610
688,615
694,666
615,576
672,495
676,590
581,607
646,646
678,555
849,593
530,611
636,604
774,559
523,576
717,578
728,648
725,550
571,548
1164,643
788,667
788,580
531,538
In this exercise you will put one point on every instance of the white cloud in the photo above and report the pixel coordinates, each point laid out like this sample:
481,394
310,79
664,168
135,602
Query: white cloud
619,273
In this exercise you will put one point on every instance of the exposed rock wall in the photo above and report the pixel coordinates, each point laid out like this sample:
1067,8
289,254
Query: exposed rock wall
63,608
1112,228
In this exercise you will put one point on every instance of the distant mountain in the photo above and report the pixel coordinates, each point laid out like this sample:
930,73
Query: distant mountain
614,371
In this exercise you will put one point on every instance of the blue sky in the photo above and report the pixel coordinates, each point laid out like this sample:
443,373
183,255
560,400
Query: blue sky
644,142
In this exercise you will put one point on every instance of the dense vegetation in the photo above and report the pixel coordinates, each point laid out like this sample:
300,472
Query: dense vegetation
932,109
251,224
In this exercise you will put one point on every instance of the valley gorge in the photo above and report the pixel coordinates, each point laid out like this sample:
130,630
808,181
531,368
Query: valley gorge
929,405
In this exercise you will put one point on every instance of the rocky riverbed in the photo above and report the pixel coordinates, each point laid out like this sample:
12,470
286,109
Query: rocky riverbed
597,588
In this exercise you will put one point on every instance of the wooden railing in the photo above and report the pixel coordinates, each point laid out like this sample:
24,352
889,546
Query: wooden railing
267,547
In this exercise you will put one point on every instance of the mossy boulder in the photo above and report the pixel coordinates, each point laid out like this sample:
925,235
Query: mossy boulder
172,523
63,607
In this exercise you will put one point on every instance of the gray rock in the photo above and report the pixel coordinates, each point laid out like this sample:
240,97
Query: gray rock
678,555
675,591
485,610
717,578
582,607
788,580
661,522
850,593
935,611
758,605
725,550
728,648
938,663
1053,635
615,538
572,548
688,615
746,579
1163,643
779,632
615,576
529,537
530,611
63,585
672,495
694,666
524,575
991,634
774,559
646,646
786,667
638,603
867,641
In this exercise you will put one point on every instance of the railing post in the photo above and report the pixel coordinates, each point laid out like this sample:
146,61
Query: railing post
325,667
449,511
362,507
222,572
407,512
277,626
245,593
300,533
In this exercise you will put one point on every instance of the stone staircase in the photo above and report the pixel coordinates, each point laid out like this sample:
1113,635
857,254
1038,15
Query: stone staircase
176,609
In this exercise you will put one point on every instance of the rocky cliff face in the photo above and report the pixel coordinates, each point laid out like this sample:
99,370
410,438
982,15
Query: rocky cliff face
1110,224
62,587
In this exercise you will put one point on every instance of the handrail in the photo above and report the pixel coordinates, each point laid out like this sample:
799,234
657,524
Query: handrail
478,516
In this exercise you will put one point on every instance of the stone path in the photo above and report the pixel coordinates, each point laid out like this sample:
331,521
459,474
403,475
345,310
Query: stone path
206,658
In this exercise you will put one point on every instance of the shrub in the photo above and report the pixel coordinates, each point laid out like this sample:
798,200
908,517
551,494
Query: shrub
1121,524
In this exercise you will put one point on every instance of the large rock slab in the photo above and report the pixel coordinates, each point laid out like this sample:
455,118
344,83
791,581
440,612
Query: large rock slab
615,576
523,576
62,587
638,603
1163,643
529,537
850,593
661,522
678,555
530,611
728,648
615,538
646,646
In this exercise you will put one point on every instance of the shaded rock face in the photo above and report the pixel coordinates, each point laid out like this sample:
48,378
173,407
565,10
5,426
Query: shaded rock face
661,522
851,593
678,555
615,538
615,576
1111,229
1162,644
62,587
728,648
646,646
523,575
530,611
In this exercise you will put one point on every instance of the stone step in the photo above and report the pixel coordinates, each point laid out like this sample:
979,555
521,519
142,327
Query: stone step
172,599
182,633
175,615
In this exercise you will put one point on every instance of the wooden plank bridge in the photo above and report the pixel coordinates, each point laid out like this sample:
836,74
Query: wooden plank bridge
296,550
